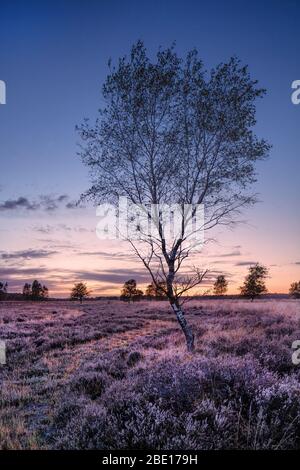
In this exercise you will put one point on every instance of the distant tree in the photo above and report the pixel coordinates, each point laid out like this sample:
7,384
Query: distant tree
45,292
157,291
35,291
130,291
3,290
220,285
150,290
27,291
295,290
254,284
38,291
80,292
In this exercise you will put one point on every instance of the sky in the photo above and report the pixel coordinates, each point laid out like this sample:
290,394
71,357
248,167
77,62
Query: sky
53,59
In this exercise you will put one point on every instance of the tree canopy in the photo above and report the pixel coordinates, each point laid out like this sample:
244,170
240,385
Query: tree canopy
3,290
130,291
79,291
295,290
220,285
254,284
35,291
157,290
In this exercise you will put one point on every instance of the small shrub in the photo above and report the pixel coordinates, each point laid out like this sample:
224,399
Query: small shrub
90,383
133,358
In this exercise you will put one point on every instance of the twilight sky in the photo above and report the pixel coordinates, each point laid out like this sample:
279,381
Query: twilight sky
53,58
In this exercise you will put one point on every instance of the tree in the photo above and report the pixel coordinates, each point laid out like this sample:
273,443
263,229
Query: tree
3,290
130,291
150,290
38,291
220,285
35,291
158,290
45,292
170,134
80,291
295,290
27,291
254,284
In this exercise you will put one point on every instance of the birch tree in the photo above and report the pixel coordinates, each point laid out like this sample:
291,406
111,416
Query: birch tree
170,133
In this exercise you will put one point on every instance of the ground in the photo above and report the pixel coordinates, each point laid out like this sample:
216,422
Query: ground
109,375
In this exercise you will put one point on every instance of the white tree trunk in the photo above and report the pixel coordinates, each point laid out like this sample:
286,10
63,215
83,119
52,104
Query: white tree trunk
189,336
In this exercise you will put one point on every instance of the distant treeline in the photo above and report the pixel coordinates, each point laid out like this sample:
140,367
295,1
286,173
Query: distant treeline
33,291
14,296
253,286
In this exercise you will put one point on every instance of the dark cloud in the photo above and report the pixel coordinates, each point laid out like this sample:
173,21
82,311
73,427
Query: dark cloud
11,272
233,253
118,277
16,277
46,202
104,254
75,205
72,205
113,276
20,203
246,263
26,254
50,203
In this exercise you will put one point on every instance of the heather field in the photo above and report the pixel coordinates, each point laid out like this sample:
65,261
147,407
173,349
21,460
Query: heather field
110,375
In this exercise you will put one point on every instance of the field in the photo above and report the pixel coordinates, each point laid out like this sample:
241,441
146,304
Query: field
111,375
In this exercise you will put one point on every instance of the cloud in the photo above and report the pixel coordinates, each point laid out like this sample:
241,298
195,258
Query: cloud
43,229
112,255
50,203
20,203
47,229
233,253
27,254
113,276
74,205
11,272
45,202
118,277
245,263
222,261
